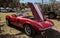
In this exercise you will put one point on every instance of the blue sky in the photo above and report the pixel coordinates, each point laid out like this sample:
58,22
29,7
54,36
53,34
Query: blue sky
57,0
40,1
33,1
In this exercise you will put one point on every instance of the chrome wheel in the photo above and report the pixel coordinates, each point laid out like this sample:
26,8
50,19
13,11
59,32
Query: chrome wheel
27,30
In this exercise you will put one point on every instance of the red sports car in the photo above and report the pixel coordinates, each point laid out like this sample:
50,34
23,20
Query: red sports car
31,22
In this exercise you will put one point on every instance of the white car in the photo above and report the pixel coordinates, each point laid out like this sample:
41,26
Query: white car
3,9
11,9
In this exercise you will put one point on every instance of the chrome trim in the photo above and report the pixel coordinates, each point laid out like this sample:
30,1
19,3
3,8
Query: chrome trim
45,28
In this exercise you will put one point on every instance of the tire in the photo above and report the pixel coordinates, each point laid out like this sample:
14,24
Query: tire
52,15
29,30
8,22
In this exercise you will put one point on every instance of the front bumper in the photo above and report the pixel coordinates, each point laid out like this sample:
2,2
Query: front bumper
45,28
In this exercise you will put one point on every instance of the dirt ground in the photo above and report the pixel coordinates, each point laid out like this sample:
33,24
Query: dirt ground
14,32
9,32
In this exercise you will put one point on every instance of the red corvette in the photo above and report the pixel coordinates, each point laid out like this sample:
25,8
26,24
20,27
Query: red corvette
30,22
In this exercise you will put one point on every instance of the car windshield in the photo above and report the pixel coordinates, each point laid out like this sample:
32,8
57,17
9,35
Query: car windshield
25,13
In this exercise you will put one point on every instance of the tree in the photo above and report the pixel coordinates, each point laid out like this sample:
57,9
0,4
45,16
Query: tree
11,3
52,1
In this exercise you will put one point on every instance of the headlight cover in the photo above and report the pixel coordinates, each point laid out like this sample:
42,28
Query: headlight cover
45,28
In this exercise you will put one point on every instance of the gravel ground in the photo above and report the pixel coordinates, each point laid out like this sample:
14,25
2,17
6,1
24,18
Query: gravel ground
9,32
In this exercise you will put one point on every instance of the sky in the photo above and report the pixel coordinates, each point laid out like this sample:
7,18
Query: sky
57,0
39,1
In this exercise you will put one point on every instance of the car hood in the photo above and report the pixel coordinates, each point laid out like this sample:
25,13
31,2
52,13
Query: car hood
46,24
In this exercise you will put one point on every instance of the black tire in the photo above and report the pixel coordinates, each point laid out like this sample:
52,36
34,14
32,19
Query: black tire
52,15
29,30
8,22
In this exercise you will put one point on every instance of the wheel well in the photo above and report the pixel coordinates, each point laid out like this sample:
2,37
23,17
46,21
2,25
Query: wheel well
8,18
26,24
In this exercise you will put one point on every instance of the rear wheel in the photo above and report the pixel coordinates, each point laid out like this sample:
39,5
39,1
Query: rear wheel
8,22
52,15
29,30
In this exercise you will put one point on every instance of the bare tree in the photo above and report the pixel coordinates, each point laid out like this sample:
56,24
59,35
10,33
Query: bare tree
52,1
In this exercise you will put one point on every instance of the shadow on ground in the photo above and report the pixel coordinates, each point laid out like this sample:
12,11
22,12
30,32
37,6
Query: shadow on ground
52,34
48,34
7,36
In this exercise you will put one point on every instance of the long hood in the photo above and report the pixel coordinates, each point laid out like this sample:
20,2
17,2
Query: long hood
46,24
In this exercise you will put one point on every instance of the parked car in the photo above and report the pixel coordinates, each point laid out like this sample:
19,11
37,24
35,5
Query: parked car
2,9
14,10
52,10
30,22
11,9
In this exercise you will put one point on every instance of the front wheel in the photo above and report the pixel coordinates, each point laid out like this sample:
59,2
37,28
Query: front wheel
29,30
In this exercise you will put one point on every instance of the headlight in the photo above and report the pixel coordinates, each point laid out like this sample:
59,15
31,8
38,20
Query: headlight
45,28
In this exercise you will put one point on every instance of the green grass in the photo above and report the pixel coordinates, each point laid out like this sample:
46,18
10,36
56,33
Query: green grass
3,15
